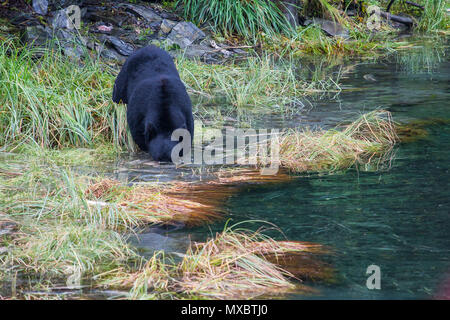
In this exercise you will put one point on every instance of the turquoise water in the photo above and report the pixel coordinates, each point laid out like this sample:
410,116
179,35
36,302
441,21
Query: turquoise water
398,218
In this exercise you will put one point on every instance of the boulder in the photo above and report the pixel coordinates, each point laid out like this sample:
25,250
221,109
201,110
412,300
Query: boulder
185,33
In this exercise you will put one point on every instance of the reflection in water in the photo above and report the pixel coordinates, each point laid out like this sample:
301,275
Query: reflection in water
399,219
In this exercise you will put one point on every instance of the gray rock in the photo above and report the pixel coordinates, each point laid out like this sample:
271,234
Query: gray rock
197,51
37,36
144,12
289,8
40,6
121,46
202,52
331,28
73,45
60,19
110,54
166,27
185,34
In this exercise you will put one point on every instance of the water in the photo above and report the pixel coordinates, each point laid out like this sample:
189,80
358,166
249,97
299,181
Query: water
397,219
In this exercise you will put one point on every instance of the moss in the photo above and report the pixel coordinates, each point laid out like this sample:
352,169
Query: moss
417,129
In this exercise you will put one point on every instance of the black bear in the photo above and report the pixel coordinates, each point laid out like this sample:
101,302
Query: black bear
157,101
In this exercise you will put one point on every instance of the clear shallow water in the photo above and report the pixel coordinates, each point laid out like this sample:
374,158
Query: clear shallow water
398,219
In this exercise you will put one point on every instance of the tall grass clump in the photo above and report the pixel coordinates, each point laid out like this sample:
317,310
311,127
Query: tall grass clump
434,16
246,18
49,101
232,265
365,141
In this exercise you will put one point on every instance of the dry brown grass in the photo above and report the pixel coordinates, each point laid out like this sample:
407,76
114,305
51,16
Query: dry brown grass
181,202
235,264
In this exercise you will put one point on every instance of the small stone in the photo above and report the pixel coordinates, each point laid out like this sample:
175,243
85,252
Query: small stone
146,13
167,26
60,19
36,35
331,28
370,77
59,4
185,33
40,6
110,54
104,28
121,46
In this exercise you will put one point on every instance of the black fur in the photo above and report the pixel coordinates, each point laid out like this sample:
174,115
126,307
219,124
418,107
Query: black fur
157,101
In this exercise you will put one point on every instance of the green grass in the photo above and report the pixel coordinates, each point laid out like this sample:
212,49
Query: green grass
260,83
247,18
50,102
434,16
59,251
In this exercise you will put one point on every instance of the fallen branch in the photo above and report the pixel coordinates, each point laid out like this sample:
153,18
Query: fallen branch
404,20
407,2
415,5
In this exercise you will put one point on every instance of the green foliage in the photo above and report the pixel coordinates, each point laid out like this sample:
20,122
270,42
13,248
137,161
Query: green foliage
434,16
247,18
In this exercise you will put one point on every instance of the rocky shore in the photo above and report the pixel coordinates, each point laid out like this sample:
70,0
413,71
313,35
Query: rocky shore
112,30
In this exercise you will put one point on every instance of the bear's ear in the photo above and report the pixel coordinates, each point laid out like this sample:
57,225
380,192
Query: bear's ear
121,85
